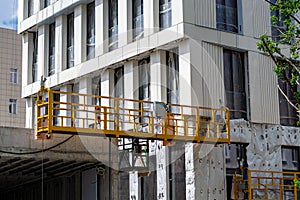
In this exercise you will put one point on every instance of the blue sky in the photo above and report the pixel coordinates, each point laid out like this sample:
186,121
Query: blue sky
9,14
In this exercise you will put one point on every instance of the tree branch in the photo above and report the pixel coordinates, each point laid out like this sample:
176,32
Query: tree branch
292,16
288,100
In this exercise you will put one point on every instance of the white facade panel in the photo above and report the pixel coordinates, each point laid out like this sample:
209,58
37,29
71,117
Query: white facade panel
264,102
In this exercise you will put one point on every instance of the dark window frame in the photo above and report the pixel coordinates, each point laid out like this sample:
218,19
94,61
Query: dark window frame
90,34
138,18
70,40
51,64
113,24
165,14
35,57
229,15
236,84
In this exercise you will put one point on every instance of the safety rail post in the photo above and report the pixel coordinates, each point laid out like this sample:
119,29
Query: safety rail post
295,188
249,185
117,115
227,123
280,189
72,115
197,125
50,110
105,118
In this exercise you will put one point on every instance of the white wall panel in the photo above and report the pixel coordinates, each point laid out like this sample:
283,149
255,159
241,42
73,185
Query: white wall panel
264,103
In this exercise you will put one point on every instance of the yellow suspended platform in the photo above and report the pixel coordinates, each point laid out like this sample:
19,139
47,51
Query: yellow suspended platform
259,184
71,113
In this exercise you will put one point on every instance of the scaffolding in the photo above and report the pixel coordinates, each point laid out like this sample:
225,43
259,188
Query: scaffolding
72,113
260,184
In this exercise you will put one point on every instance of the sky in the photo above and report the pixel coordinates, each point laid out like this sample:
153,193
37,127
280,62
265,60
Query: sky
9,14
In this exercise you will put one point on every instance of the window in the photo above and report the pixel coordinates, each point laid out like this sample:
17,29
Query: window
144,86
46,3
144,79
138,18
172,77
229,15
235,81
119,82
12,106
35,57
288,114
96,90
113,24
70,41
278,27
165,13
13,75
290,159
51,69
90,43
30,7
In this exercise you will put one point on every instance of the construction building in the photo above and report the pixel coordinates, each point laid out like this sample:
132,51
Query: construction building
177,66
12,106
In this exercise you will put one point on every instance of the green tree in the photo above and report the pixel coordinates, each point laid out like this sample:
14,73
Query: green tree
284,48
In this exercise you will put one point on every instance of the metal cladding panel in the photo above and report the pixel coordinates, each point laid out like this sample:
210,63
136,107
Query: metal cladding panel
264,102
211,71
205,13
261,18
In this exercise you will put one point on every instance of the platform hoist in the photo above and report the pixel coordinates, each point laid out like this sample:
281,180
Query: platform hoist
263,184
133,122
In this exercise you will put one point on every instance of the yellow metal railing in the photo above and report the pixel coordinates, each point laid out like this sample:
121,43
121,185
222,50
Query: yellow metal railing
118,117
259,184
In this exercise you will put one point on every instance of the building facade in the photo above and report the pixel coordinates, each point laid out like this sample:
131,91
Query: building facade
12,105
195,52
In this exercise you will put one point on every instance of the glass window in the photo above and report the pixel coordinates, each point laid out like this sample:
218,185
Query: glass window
46,3
12,106
278,27
30,7
96,90
172,77
90,43
227,15
51,69
165,13
13,75
144,86
138,18
288,114
144,79
235,90
70,41
35,57
113,24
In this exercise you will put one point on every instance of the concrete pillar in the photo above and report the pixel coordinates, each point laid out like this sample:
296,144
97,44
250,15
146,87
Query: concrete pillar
134,185
177,12
151,17
29,114
124,22
107,89
185,93
36,6
158,93
101,27
60,43
158,76
25,59
21,12
85,87
130,87
79,34
43,44
65,98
